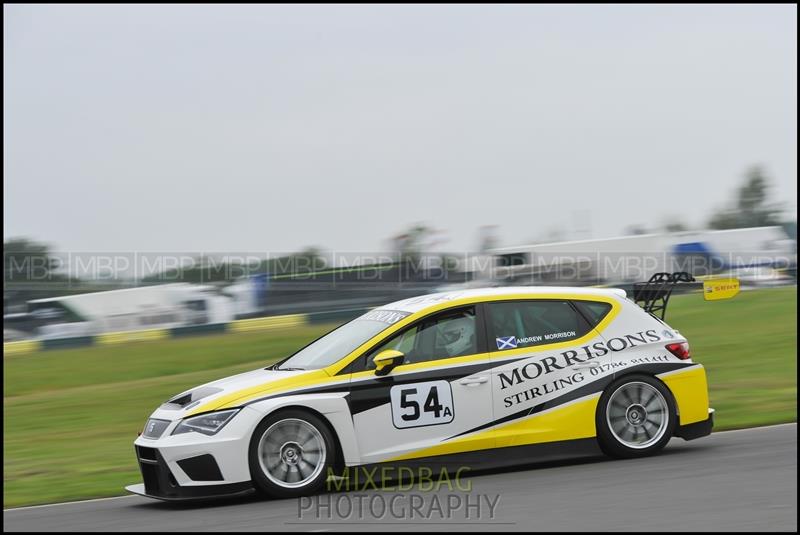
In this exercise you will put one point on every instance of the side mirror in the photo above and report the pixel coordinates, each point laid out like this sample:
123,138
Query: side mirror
386,360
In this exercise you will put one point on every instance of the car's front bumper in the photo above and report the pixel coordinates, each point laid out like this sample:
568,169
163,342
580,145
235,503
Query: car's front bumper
193,465
160,482
697,429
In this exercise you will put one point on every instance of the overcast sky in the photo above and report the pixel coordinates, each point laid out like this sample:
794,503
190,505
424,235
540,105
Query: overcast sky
272,128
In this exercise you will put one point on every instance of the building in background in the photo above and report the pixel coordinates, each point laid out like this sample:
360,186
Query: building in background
756,254
146,307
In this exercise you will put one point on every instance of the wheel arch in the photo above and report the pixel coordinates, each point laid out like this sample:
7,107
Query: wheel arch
615,446
339,460
651,375
333,408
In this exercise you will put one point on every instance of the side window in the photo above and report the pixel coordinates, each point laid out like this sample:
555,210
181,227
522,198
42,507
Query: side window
450,334
404,342
594,311
529,323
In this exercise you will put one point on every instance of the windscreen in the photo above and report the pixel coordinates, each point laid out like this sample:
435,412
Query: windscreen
340,342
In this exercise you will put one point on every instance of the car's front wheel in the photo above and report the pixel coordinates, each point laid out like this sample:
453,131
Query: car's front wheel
291,453
636,417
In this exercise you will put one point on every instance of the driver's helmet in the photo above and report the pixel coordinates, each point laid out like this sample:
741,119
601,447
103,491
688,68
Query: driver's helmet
458,335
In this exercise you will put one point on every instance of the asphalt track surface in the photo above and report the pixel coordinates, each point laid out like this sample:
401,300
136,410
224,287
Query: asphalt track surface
731,481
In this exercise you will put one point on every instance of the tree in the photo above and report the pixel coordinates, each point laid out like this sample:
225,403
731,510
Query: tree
675,225
635,230
487,238
410,243
24,259
28,267
751,207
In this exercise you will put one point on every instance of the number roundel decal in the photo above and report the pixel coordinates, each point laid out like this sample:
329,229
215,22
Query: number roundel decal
421,404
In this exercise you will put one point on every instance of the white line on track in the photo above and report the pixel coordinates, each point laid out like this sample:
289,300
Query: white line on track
754,428
70,503
136,496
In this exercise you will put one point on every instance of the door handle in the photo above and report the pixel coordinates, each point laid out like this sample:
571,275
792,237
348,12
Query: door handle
586,365
473,381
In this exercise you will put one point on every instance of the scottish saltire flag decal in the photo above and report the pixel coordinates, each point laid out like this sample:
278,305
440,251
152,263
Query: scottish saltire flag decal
506,342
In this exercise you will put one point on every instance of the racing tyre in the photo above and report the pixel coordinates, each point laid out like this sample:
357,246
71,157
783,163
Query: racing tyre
290,454
635,417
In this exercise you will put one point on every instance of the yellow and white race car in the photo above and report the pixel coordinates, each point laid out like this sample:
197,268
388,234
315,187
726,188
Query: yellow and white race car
477,378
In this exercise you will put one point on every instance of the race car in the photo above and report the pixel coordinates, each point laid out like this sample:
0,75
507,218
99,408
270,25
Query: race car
479,377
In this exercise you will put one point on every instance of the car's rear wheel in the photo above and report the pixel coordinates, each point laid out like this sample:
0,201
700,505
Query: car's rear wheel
291,453
635,417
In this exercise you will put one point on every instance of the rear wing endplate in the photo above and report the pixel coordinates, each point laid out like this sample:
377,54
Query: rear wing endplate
653,295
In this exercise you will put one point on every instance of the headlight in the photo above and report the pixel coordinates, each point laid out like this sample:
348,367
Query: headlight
154,428
208,424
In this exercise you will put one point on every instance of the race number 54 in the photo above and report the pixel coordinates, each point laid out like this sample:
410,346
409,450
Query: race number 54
419,404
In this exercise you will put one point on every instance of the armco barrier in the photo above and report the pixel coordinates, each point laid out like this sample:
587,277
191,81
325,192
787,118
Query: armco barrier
191,330
336,316
67,343
248,325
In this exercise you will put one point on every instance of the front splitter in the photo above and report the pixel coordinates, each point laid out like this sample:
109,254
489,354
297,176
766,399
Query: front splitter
208,493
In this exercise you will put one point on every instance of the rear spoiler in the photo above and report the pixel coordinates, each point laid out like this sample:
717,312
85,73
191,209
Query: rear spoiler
653,295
